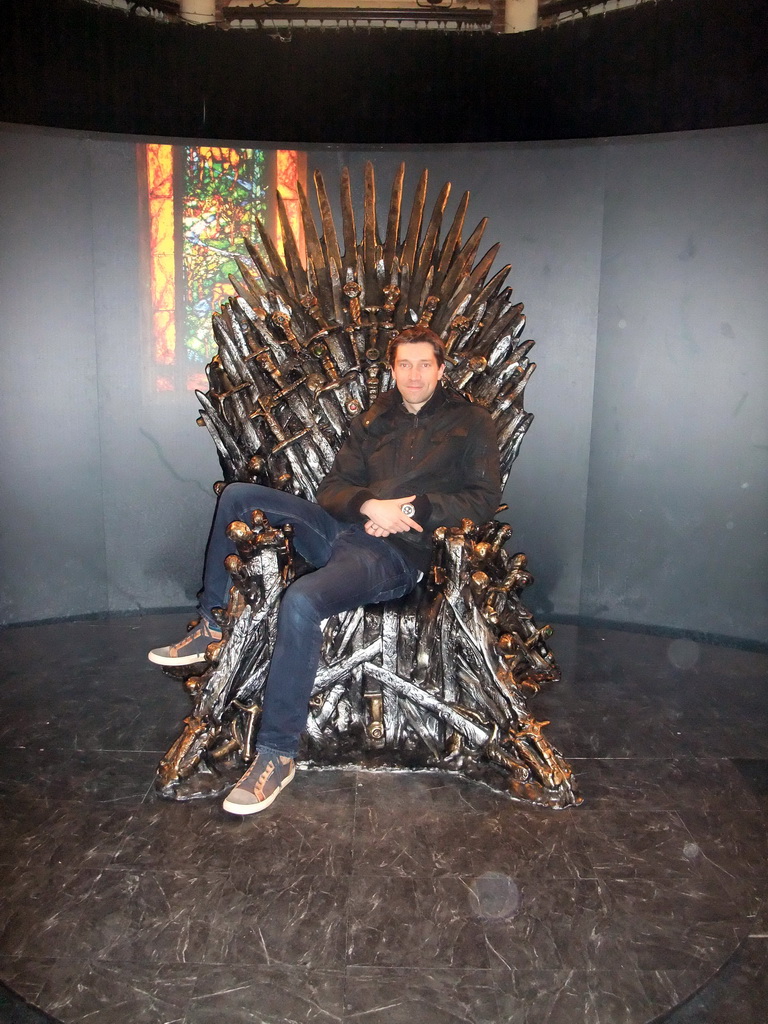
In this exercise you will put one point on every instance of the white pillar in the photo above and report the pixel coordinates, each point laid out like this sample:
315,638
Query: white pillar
521,15
200,12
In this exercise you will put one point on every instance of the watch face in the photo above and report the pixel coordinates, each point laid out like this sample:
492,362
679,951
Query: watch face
408,510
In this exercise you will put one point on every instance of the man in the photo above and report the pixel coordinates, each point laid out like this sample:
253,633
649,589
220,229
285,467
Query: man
419,458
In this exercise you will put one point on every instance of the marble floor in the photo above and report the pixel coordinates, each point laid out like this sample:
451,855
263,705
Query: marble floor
383,899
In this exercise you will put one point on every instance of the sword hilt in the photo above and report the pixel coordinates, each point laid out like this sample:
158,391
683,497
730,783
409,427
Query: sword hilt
429,311
283,321
352,291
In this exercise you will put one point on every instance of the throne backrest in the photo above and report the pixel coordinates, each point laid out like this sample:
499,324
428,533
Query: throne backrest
302,344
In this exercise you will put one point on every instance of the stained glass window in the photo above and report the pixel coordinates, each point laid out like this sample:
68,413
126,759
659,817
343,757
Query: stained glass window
290,167
162,267
201,201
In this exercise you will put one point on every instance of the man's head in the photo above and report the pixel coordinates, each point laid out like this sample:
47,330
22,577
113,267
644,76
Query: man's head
417,358
413,336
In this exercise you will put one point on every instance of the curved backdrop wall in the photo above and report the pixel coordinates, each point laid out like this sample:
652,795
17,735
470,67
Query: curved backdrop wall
658,67
640,494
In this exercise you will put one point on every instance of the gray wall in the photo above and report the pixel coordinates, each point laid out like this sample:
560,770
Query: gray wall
640,492
677,515
106,485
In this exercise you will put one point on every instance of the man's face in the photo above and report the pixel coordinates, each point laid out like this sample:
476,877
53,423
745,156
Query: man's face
416,373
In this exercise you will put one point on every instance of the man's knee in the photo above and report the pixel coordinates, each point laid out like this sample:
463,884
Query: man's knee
238,498
299,604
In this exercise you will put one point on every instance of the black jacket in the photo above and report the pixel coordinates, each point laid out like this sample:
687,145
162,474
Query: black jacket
447,454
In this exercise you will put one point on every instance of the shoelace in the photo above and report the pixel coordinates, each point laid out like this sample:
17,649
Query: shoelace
270,768
201,630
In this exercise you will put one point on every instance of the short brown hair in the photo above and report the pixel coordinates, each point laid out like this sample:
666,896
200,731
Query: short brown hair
414,335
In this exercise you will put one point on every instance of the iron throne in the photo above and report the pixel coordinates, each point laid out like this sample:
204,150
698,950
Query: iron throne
438,679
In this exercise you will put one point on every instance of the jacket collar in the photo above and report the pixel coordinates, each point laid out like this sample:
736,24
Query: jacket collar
437,401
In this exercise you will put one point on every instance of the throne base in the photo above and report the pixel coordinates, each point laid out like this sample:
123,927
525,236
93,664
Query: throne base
438,680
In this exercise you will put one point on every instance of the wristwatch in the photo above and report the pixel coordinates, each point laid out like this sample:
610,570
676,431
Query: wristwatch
408,510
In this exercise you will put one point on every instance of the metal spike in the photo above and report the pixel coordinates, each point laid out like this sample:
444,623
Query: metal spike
220,432
401,310
408,252
490,290
371,244
316,261
242,289
251,283
291,249
392,239
464,258
265,271
428,246
330,240
465,286
349,259
278,275
474,281
336,290
452,243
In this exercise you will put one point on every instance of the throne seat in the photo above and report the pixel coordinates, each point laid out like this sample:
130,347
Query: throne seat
439,679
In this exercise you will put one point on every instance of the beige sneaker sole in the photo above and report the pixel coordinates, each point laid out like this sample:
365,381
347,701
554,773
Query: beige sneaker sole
163,656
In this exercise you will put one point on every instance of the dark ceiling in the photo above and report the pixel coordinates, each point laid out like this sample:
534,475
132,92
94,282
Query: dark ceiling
659,67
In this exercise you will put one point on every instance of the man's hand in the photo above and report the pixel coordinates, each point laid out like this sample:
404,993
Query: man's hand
374,530
385,516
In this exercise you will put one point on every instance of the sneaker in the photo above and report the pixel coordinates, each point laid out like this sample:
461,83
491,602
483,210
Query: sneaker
189,651
260,785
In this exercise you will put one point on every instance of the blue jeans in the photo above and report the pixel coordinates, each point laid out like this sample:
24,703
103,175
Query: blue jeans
351,569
